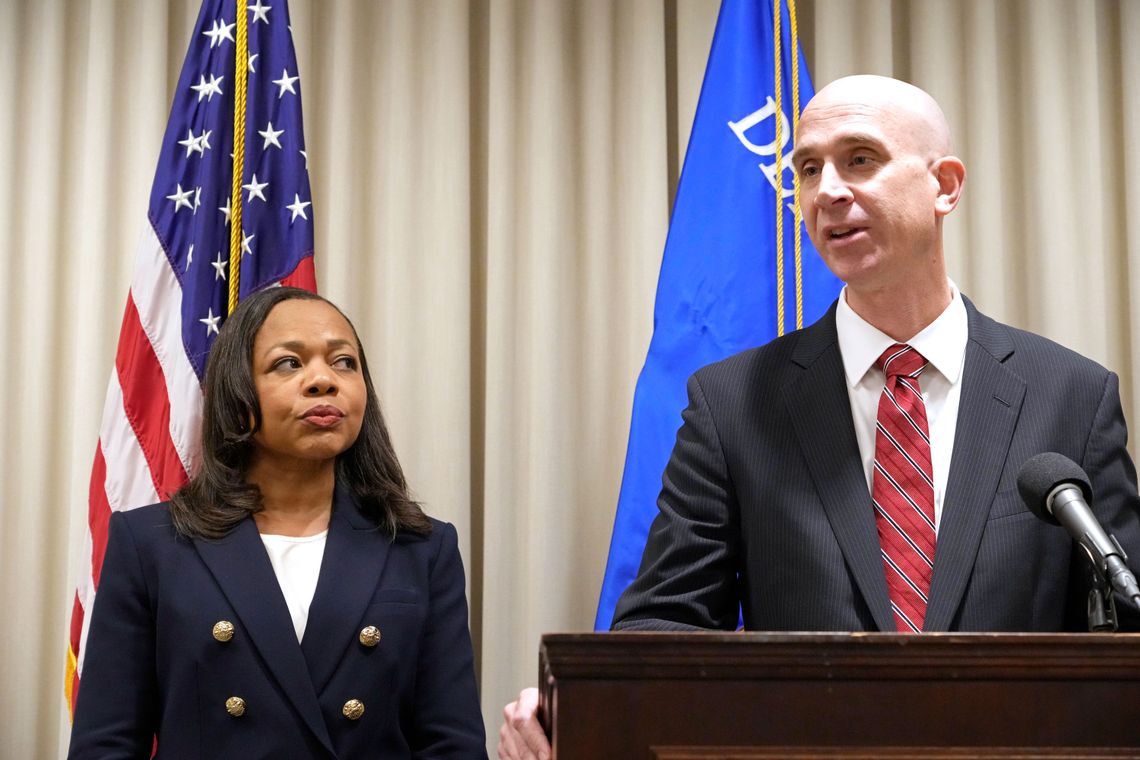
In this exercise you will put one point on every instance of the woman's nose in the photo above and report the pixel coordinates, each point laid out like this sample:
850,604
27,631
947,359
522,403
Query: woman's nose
322,382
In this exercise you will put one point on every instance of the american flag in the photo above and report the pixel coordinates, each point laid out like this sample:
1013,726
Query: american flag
149,441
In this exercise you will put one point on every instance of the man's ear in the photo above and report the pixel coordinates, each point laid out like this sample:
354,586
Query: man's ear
950,173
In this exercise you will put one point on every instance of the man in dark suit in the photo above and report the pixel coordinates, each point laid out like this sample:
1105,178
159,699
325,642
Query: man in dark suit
860,474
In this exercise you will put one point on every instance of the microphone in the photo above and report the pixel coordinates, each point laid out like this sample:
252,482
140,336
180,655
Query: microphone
1056,489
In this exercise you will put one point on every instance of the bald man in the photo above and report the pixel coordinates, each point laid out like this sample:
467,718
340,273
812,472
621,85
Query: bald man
860,474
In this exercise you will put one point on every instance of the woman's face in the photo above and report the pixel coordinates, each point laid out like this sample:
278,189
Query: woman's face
306,370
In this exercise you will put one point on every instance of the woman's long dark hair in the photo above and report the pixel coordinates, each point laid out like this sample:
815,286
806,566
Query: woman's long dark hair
219,497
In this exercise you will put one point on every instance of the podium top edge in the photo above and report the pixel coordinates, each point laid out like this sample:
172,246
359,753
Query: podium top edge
866,637
720,655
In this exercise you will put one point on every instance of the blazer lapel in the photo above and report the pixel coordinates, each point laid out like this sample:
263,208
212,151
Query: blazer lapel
242,569
355,553
987,414
817,399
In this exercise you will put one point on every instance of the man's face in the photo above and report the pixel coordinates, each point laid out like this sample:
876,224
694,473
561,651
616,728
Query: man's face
868,191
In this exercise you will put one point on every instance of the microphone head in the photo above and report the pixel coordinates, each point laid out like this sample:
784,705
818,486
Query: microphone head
1044,472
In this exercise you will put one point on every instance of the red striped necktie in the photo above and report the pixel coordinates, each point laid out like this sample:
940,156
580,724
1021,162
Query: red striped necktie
903,487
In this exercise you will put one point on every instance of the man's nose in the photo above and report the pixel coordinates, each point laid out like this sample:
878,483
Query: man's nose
832,187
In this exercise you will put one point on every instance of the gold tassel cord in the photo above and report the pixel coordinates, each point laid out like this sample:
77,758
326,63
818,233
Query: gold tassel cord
241,58
779,172
795,176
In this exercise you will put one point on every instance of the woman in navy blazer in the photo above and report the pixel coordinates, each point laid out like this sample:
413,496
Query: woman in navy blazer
193,645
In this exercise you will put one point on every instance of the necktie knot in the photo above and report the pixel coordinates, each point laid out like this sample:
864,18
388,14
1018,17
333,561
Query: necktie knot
901,360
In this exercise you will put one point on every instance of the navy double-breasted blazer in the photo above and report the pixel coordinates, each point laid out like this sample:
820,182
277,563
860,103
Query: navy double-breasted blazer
153,667
765,507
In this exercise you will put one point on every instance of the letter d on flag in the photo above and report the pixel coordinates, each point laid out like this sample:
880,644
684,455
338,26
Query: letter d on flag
720,291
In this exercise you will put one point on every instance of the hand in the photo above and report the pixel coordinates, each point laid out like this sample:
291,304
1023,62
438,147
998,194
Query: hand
522,737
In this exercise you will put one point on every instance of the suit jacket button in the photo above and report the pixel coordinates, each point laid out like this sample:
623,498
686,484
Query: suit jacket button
353,709
370,636
235,706
223,630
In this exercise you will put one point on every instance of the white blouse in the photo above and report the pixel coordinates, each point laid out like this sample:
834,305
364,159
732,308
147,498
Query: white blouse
297,562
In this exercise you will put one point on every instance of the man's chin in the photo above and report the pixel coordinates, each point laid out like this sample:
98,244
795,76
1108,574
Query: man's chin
856,268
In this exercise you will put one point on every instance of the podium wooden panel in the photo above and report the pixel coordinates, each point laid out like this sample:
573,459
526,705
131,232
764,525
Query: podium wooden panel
746,696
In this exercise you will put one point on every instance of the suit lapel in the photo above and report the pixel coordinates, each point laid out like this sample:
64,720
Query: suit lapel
242,569
355,554
818,400
987,415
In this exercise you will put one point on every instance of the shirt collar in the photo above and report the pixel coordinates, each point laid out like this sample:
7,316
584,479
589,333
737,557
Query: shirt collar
942,342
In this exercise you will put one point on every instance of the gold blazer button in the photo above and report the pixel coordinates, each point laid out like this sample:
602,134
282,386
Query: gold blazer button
235,706
353,709
223,630
370,636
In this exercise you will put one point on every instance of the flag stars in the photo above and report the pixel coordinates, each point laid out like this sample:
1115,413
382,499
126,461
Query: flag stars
189,257
197,198
181,198
211,322
305,155
219,33
256,189
219,264
209,89
252,58
200,143
260,12
191,142
245,241
285,83
226,210
298,208
270,134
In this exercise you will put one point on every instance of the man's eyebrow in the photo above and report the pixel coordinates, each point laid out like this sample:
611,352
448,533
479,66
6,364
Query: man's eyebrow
860,138
798,154
801,152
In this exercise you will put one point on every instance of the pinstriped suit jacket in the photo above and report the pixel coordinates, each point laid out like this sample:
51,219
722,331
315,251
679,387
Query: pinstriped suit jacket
764,502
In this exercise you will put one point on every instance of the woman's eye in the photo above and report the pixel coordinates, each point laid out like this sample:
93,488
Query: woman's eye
287,362
345,362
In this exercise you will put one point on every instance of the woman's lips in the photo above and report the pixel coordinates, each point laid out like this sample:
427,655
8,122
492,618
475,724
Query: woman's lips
323,415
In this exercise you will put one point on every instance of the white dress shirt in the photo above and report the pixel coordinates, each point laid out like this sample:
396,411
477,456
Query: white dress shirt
943,343
296,561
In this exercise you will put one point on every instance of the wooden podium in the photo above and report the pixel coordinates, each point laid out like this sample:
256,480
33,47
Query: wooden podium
746,696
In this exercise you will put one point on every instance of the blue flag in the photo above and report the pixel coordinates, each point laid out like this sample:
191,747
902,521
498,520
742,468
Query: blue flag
717,293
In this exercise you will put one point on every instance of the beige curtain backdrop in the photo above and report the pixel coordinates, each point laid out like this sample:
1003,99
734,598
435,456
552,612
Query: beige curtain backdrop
491,186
